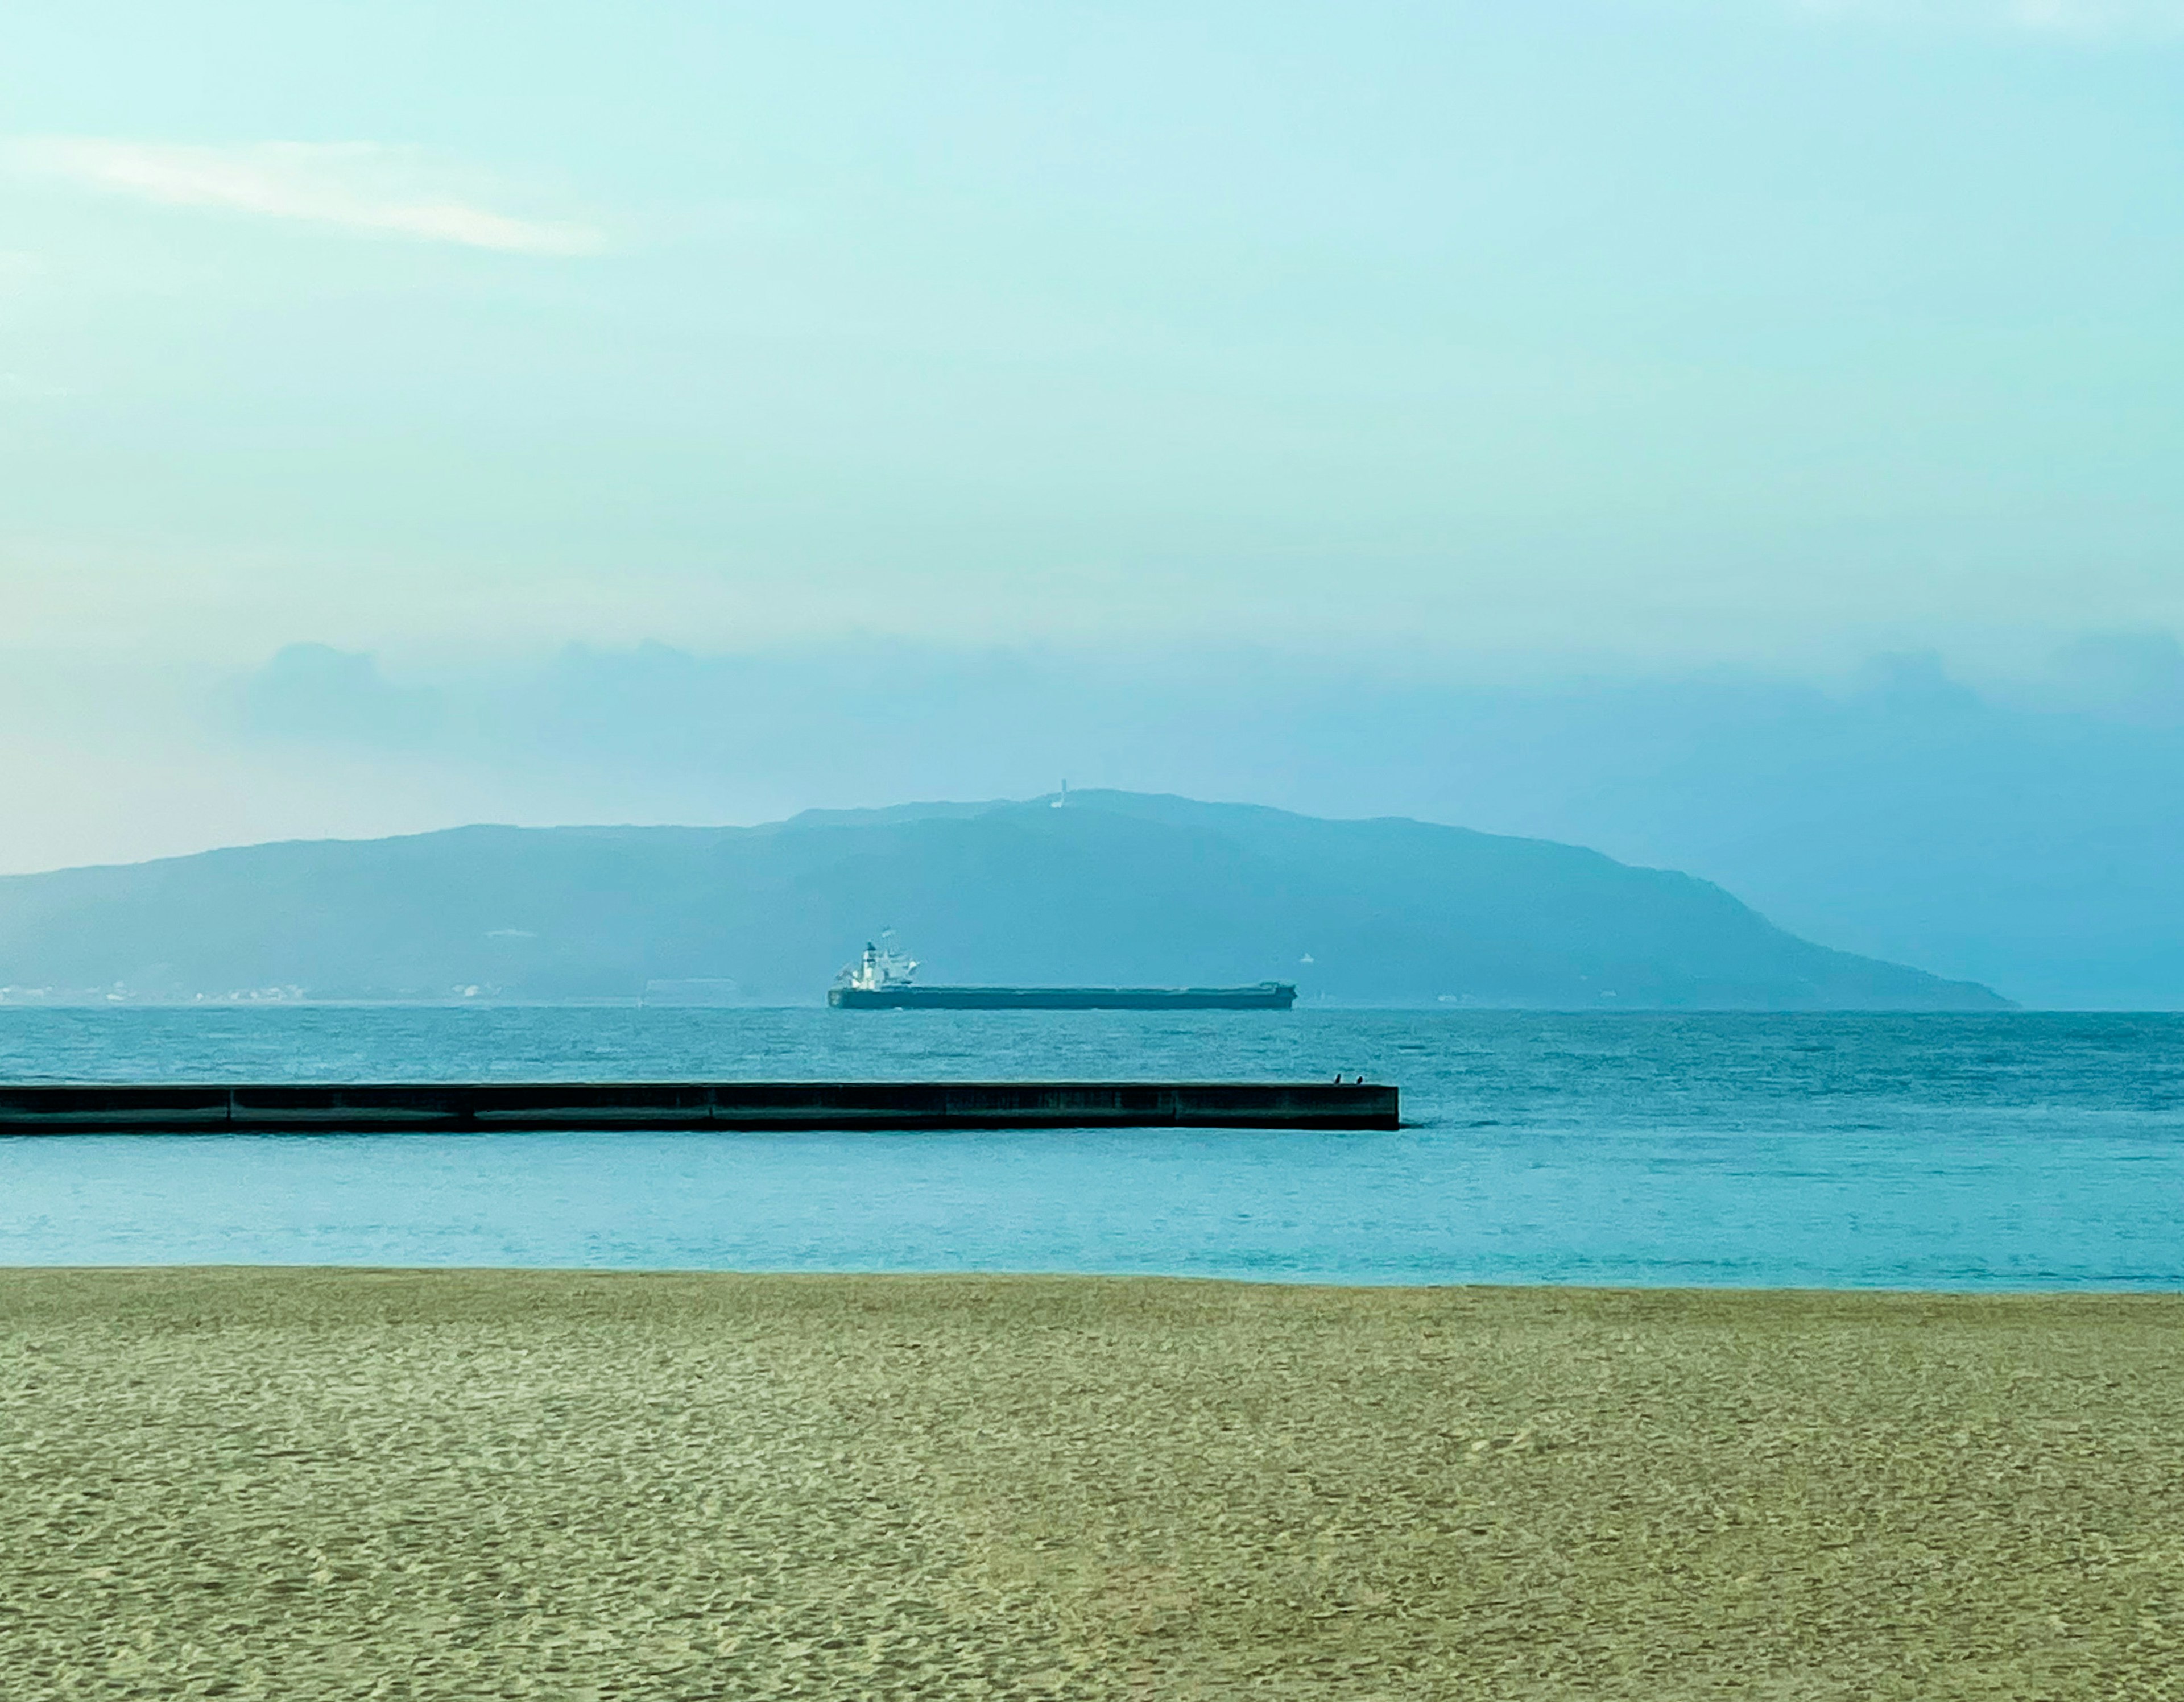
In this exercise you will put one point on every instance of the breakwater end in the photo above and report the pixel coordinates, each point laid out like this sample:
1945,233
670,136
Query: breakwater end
483,1106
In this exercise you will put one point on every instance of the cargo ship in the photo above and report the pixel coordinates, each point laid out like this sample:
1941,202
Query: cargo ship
880,980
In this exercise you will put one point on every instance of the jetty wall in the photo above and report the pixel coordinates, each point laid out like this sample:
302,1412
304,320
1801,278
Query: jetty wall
481,1106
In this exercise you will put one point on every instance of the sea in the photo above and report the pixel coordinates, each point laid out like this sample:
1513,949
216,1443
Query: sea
2018,1151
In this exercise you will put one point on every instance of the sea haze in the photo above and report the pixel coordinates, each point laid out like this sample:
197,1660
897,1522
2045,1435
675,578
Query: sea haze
1995,1151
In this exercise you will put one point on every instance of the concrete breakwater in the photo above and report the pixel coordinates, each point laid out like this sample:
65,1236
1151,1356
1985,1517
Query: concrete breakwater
481,1106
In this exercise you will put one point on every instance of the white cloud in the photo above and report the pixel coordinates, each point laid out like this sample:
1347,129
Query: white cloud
353,185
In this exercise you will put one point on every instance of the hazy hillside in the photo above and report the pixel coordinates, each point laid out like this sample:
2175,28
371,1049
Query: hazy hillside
1116,887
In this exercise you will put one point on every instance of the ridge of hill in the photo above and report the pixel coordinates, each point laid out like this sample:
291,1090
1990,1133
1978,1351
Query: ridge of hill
1114,888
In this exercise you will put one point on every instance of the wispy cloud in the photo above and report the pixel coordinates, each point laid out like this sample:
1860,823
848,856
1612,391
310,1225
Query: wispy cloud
353,185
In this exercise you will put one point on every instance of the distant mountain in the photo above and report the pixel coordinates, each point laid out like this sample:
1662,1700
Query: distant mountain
1113,888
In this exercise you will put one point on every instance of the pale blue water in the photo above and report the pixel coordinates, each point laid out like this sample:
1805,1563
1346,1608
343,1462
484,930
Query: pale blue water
2016,1151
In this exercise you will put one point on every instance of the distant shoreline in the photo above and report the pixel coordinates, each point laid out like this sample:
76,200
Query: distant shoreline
19,1001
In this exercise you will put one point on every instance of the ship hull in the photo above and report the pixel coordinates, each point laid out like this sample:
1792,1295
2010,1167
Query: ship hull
1273,995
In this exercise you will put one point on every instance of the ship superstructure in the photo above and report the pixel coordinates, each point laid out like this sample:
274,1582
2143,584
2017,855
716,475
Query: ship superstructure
881,968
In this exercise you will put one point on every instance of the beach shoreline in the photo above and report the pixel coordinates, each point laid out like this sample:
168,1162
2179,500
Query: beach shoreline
457,1483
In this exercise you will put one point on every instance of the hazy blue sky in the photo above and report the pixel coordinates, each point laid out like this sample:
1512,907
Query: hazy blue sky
1489,386
1751,329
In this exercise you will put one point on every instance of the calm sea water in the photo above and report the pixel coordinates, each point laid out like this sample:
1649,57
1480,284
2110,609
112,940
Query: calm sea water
1998,1151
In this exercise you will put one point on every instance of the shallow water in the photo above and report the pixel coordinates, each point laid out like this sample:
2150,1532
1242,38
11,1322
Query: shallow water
2026,1151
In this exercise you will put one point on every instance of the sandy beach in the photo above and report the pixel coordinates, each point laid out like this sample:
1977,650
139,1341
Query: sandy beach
294,1483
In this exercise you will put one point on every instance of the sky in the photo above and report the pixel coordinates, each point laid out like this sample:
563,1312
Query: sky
372,376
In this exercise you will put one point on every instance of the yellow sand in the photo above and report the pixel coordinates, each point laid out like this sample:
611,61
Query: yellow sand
301,1484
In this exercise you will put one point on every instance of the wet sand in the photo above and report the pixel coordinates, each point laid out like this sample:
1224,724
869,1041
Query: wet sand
303,1485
